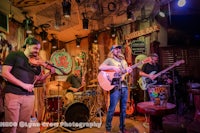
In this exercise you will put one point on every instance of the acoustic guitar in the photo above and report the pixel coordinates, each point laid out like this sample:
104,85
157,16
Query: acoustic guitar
130,105
144,82
105,78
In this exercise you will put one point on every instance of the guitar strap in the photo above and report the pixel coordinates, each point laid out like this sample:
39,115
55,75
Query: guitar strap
123,70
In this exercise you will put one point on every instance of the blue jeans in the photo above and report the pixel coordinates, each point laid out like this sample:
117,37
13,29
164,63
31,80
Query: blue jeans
115,96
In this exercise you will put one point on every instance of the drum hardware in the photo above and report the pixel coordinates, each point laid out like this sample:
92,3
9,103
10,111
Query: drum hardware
61,85
92,86
58,84
93,81
95,109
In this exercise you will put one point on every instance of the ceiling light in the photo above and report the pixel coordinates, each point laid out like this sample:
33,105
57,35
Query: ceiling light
129,15
78,41
113,31
95,38
54,42
43,35
66,8
28,25
85,21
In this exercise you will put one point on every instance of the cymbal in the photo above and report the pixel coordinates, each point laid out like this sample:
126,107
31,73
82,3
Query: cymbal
91,86
93,81
58,84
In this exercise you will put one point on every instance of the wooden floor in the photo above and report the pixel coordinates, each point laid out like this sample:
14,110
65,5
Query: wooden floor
133,125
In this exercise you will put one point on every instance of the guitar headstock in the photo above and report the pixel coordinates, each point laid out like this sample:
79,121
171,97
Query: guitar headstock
146,60
177,63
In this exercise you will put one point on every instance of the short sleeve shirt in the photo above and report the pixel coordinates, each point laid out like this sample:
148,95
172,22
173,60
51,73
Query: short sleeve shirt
22,70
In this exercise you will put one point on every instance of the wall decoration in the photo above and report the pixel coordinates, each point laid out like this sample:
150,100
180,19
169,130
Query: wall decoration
62,60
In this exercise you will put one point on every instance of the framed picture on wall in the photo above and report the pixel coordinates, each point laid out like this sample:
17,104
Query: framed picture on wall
4,22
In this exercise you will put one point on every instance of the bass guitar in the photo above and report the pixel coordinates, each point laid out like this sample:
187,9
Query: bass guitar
105,78
144,82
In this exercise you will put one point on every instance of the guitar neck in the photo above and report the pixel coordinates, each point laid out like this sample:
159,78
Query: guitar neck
165,70
136,65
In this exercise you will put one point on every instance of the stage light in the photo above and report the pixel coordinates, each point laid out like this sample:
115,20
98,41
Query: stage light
181,3
66,8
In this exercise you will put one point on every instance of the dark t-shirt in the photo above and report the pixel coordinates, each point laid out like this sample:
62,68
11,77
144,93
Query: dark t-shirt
74,81
148,68
22,70
151,69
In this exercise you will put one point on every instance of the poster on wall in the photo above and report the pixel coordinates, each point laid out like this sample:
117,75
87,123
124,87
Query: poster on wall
62,61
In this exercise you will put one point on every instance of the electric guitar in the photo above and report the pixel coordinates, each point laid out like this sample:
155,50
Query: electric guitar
106,78
144,82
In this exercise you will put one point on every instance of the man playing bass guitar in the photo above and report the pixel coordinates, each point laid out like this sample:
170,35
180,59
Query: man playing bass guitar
148,73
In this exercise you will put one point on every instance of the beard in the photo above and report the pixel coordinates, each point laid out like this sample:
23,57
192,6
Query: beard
33,54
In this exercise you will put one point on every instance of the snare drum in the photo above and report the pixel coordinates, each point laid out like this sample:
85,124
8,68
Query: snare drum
78,96
52,103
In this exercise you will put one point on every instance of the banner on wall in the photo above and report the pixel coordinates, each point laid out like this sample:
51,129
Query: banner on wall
62,60
142,32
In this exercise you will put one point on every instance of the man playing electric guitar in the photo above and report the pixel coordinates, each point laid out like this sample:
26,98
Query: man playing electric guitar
148,72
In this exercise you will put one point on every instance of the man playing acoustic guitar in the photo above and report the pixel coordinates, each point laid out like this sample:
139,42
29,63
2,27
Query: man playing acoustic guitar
116,62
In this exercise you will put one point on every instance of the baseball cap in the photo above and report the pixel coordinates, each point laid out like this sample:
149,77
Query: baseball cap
30,41
115,46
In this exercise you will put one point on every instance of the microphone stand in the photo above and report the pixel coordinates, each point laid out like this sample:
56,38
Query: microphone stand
174,94
121,111
58,113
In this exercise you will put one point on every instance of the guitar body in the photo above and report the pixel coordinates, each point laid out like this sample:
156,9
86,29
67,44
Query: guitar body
144,81
130,107
104,79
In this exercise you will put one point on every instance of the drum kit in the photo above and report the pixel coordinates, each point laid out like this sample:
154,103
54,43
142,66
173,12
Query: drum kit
70,107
